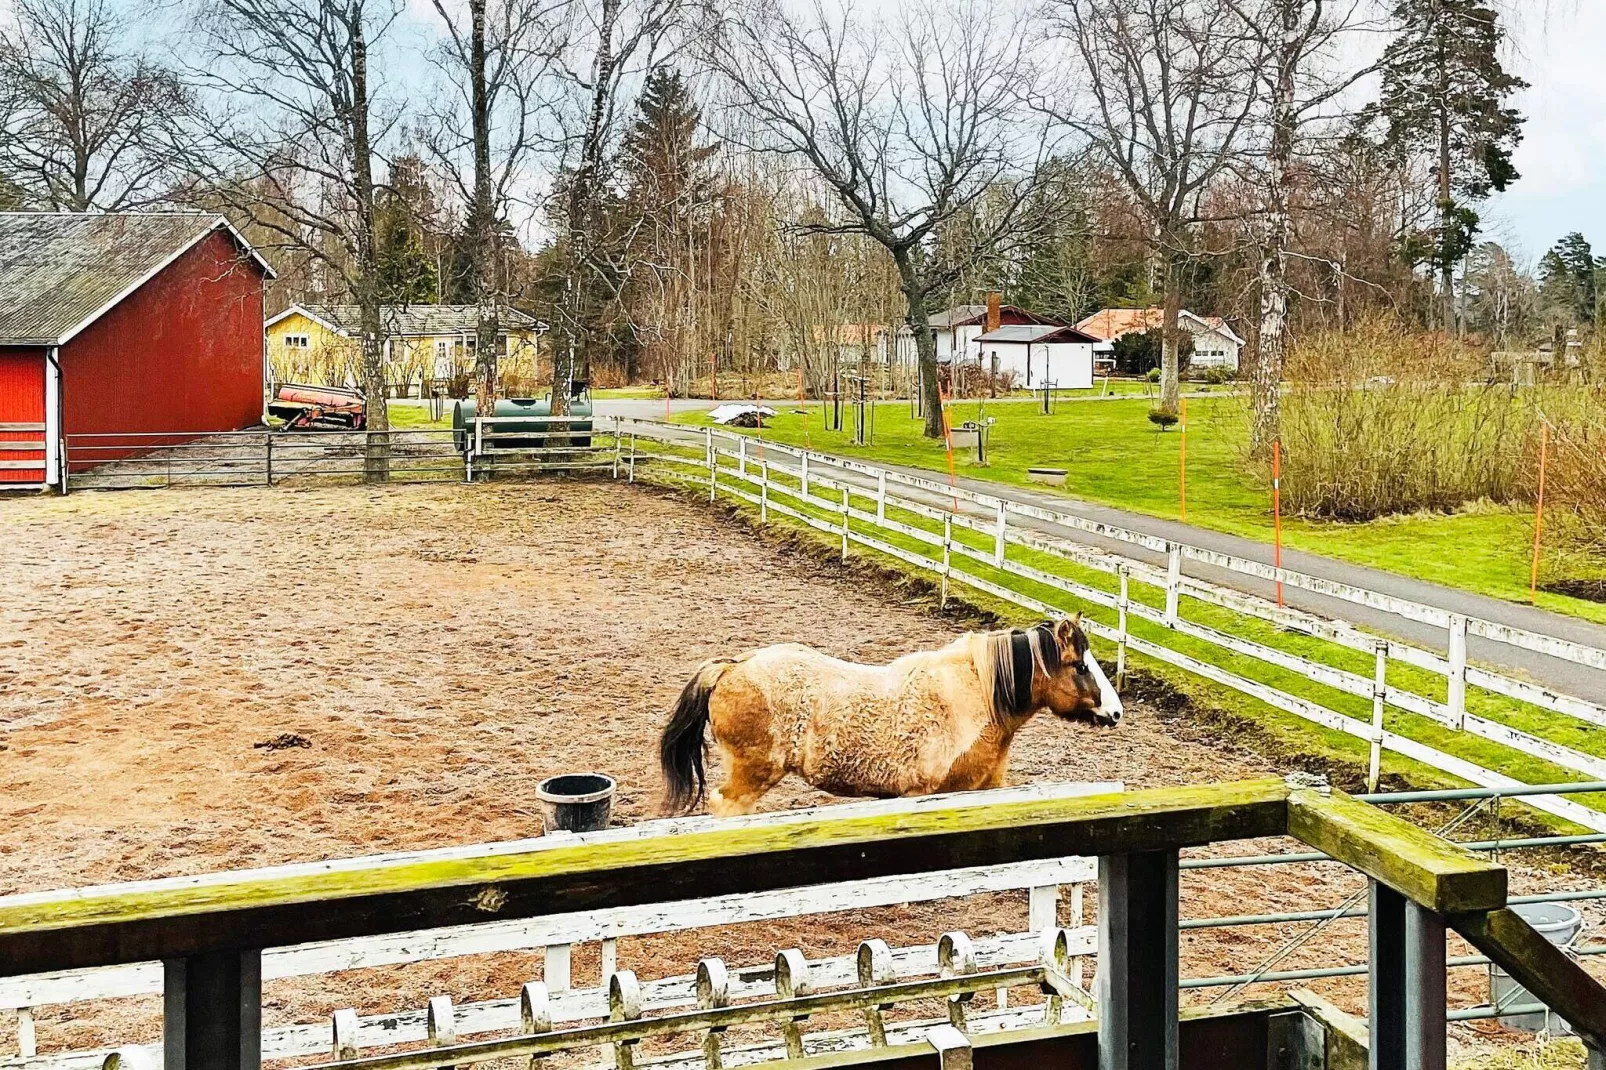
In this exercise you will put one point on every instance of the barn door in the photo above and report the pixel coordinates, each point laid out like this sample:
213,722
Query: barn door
22,417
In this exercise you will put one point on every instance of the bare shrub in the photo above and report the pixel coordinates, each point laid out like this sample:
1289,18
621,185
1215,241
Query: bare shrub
1382,420
1575,492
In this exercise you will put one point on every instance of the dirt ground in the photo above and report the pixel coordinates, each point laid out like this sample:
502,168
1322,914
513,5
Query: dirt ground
195,680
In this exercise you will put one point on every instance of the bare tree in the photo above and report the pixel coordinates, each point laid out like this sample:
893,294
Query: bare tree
1171,87
1303,42
916,125
496,65
292,146
84,113
611,44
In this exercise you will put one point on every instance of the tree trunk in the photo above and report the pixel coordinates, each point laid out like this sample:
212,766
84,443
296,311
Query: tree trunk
486,291
376,453
925,343
1170,345
1266,371
1446,201
581,194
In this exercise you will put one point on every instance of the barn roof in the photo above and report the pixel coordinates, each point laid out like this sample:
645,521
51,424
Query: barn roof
407,321
59,272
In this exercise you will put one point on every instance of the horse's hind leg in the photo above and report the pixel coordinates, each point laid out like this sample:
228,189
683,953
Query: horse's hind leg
746,781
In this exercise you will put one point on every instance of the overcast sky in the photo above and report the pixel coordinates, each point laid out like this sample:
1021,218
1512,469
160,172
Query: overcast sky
1562,53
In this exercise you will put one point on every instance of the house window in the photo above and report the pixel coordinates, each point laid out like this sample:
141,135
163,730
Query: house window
295,341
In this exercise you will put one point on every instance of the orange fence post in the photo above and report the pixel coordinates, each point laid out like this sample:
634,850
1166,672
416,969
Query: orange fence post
948,442
1277,511
1182,461
1539,512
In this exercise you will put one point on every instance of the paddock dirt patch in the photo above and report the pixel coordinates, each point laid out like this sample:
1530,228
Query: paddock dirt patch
201,680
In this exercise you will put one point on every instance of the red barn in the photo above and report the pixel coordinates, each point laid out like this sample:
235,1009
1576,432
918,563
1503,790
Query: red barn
120,324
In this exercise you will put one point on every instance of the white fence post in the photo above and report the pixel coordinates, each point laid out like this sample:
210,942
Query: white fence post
763,492
556,974
624,1005
1457,695
741,455
881,497
1173,582
618,444
343,1026
1121,604
1374,767
805,470
632,476
1042,907
610,957
441,1024
845,508
713,466
713,992
947,554
27,1040
998,537
1077,917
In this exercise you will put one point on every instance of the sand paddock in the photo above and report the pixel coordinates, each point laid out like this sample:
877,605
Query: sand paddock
195,680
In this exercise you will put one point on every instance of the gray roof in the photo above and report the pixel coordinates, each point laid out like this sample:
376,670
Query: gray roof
959,314
61,271
410,320
1035,332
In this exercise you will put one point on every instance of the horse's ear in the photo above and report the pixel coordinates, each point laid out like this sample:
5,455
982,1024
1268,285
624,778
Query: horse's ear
1066,631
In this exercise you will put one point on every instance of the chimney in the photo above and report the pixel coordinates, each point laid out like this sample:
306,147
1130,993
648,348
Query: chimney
993,301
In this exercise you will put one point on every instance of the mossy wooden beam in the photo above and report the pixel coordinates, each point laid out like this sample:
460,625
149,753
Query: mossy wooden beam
1428,870
1541,967
359,897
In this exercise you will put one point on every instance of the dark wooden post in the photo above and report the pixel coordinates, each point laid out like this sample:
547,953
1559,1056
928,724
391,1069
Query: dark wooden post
212,1012
1407,998
1386,987
1137,978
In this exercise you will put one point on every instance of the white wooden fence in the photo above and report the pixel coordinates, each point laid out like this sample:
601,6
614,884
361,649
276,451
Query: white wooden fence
803,485
557,934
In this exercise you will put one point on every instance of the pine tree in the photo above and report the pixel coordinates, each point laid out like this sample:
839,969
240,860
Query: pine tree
668,196
1445,94
1567,279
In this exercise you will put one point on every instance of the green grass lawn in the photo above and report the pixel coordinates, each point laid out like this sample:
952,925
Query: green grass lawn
1116,457
413,417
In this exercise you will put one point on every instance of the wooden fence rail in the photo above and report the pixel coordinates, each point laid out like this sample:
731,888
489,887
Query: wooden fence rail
208,930
557,934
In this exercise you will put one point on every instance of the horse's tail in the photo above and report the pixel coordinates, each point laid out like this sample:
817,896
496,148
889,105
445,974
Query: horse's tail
681,747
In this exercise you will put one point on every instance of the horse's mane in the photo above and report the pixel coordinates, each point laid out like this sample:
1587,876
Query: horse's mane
1007,663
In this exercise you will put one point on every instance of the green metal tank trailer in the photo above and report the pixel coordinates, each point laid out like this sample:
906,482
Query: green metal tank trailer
576,431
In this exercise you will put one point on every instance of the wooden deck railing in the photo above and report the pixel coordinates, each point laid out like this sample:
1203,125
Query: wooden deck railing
210,930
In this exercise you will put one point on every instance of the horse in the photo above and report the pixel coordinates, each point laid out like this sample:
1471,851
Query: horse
932,721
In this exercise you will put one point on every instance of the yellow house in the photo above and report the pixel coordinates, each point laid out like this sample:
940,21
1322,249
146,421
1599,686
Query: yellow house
426,346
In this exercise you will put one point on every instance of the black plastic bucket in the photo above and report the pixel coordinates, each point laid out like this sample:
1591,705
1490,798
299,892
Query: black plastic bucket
576,802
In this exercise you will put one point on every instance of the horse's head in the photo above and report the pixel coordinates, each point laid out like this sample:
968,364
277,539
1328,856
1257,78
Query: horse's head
1074,686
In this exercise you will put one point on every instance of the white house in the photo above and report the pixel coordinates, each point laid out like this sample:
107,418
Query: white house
1214,343
1039,354
957,329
